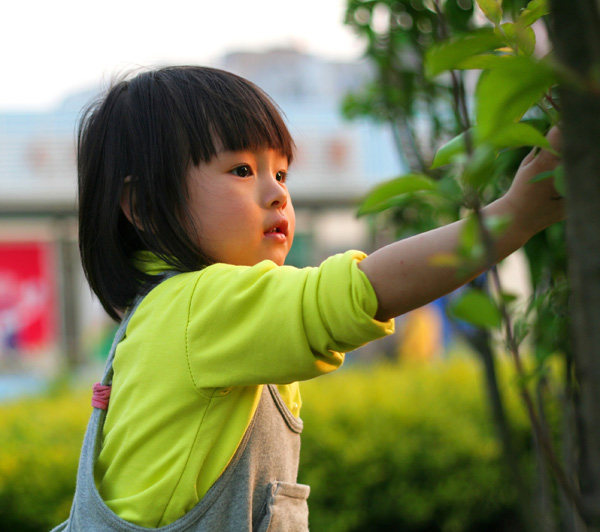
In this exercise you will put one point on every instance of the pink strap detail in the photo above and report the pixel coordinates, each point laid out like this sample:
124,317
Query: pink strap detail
101,396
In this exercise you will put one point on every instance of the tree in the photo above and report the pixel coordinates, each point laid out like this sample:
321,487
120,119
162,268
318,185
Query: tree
576,37
411,43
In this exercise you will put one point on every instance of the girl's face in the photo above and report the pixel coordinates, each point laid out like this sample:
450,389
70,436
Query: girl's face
241,207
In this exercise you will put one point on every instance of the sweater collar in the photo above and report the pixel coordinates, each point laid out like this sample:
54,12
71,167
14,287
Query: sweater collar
150,264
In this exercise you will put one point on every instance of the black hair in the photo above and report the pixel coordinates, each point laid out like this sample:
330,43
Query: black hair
149,130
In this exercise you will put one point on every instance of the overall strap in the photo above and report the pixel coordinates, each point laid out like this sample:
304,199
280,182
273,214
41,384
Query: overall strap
102,389
88,511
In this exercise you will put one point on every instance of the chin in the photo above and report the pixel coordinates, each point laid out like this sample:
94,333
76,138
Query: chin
280,261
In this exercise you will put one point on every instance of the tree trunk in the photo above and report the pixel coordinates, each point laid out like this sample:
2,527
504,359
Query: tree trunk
570,518
543,502
576,37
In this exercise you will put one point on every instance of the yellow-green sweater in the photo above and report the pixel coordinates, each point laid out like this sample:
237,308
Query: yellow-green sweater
189,373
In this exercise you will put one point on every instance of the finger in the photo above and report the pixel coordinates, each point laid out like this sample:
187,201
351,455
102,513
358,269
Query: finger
529,157
547,160
554,136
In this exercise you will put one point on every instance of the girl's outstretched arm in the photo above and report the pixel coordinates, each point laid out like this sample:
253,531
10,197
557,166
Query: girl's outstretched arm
403,275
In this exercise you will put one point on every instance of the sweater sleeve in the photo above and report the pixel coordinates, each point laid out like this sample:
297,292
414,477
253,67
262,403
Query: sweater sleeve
269,324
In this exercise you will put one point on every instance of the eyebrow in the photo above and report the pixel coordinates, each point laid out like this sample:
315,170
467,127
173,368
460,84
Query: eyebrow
235,153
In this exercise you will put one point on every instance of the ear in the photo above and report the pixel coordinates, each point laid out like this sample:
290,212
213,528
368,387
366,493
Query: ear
128,203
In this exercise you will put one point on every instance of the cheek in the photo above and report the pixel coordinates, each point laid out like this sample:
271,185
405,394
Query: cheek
209,228
291,216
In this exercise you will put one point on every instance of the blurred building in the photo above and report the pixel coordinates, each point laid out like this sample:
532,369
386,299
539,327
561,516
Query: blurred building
47,314
38,252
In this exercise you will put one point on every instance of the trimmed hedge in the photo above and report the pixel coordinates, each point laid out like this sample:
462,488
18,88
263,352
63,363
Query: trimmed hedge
40,440
384,448
405,448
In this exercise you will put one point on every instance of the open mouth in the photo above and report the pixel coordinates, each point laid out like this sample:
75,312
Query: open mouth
280,228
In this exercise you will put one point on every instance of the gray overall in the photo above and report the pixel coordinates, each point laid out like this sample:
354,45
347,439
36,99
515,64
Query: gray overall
256,492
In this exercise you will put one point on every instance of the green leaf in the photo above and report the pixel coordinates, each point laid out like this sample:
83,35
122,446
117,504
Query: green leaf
521,330
522,38
449,54
477,308
559,180
385,192
507,92
480,166
534,11
449,189
449,151
491,9
526,40
513,135
543,175
469,235
508,297
470,246
497,225
482,62
518,135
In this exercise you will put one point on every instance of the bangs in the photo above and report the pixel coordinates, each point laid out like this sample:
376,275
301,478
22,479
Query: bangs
228,112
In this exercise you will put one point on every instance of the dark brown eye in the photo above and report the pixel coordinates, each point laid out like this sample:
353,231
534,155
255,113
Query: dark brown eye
242,171
281,176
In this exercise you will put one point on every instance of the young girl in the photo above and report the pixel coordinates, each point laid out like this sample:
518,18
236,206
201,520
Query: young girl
185,223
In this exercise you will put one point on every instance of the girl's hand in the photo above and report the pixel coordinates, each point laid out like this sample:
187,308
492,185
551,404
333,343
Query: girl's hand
536,205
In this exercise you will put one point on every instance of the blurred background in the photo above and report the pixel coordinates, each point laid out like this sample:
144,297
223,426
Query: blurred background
414,447
302,55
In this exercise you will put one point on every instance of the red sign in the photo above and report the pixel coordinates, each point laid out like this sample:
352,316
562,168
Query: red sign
27,296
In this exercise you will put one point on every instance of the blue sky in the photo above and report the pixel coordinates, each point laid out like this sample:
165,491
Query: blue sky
51,49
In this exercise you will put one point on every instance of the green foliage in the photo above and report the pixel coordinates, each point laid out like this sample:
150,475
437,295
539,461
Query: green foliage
506,92
512,82
40,440
547,259
451,150
558,174
407,448
511,135
535,10
479,166
452,54
476,307
384,195
492,9
477,140
518,134
390,447
397,34
410,60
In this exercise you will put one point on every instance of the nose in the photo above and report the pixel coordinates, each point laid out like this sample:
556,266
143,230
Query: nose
274,193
